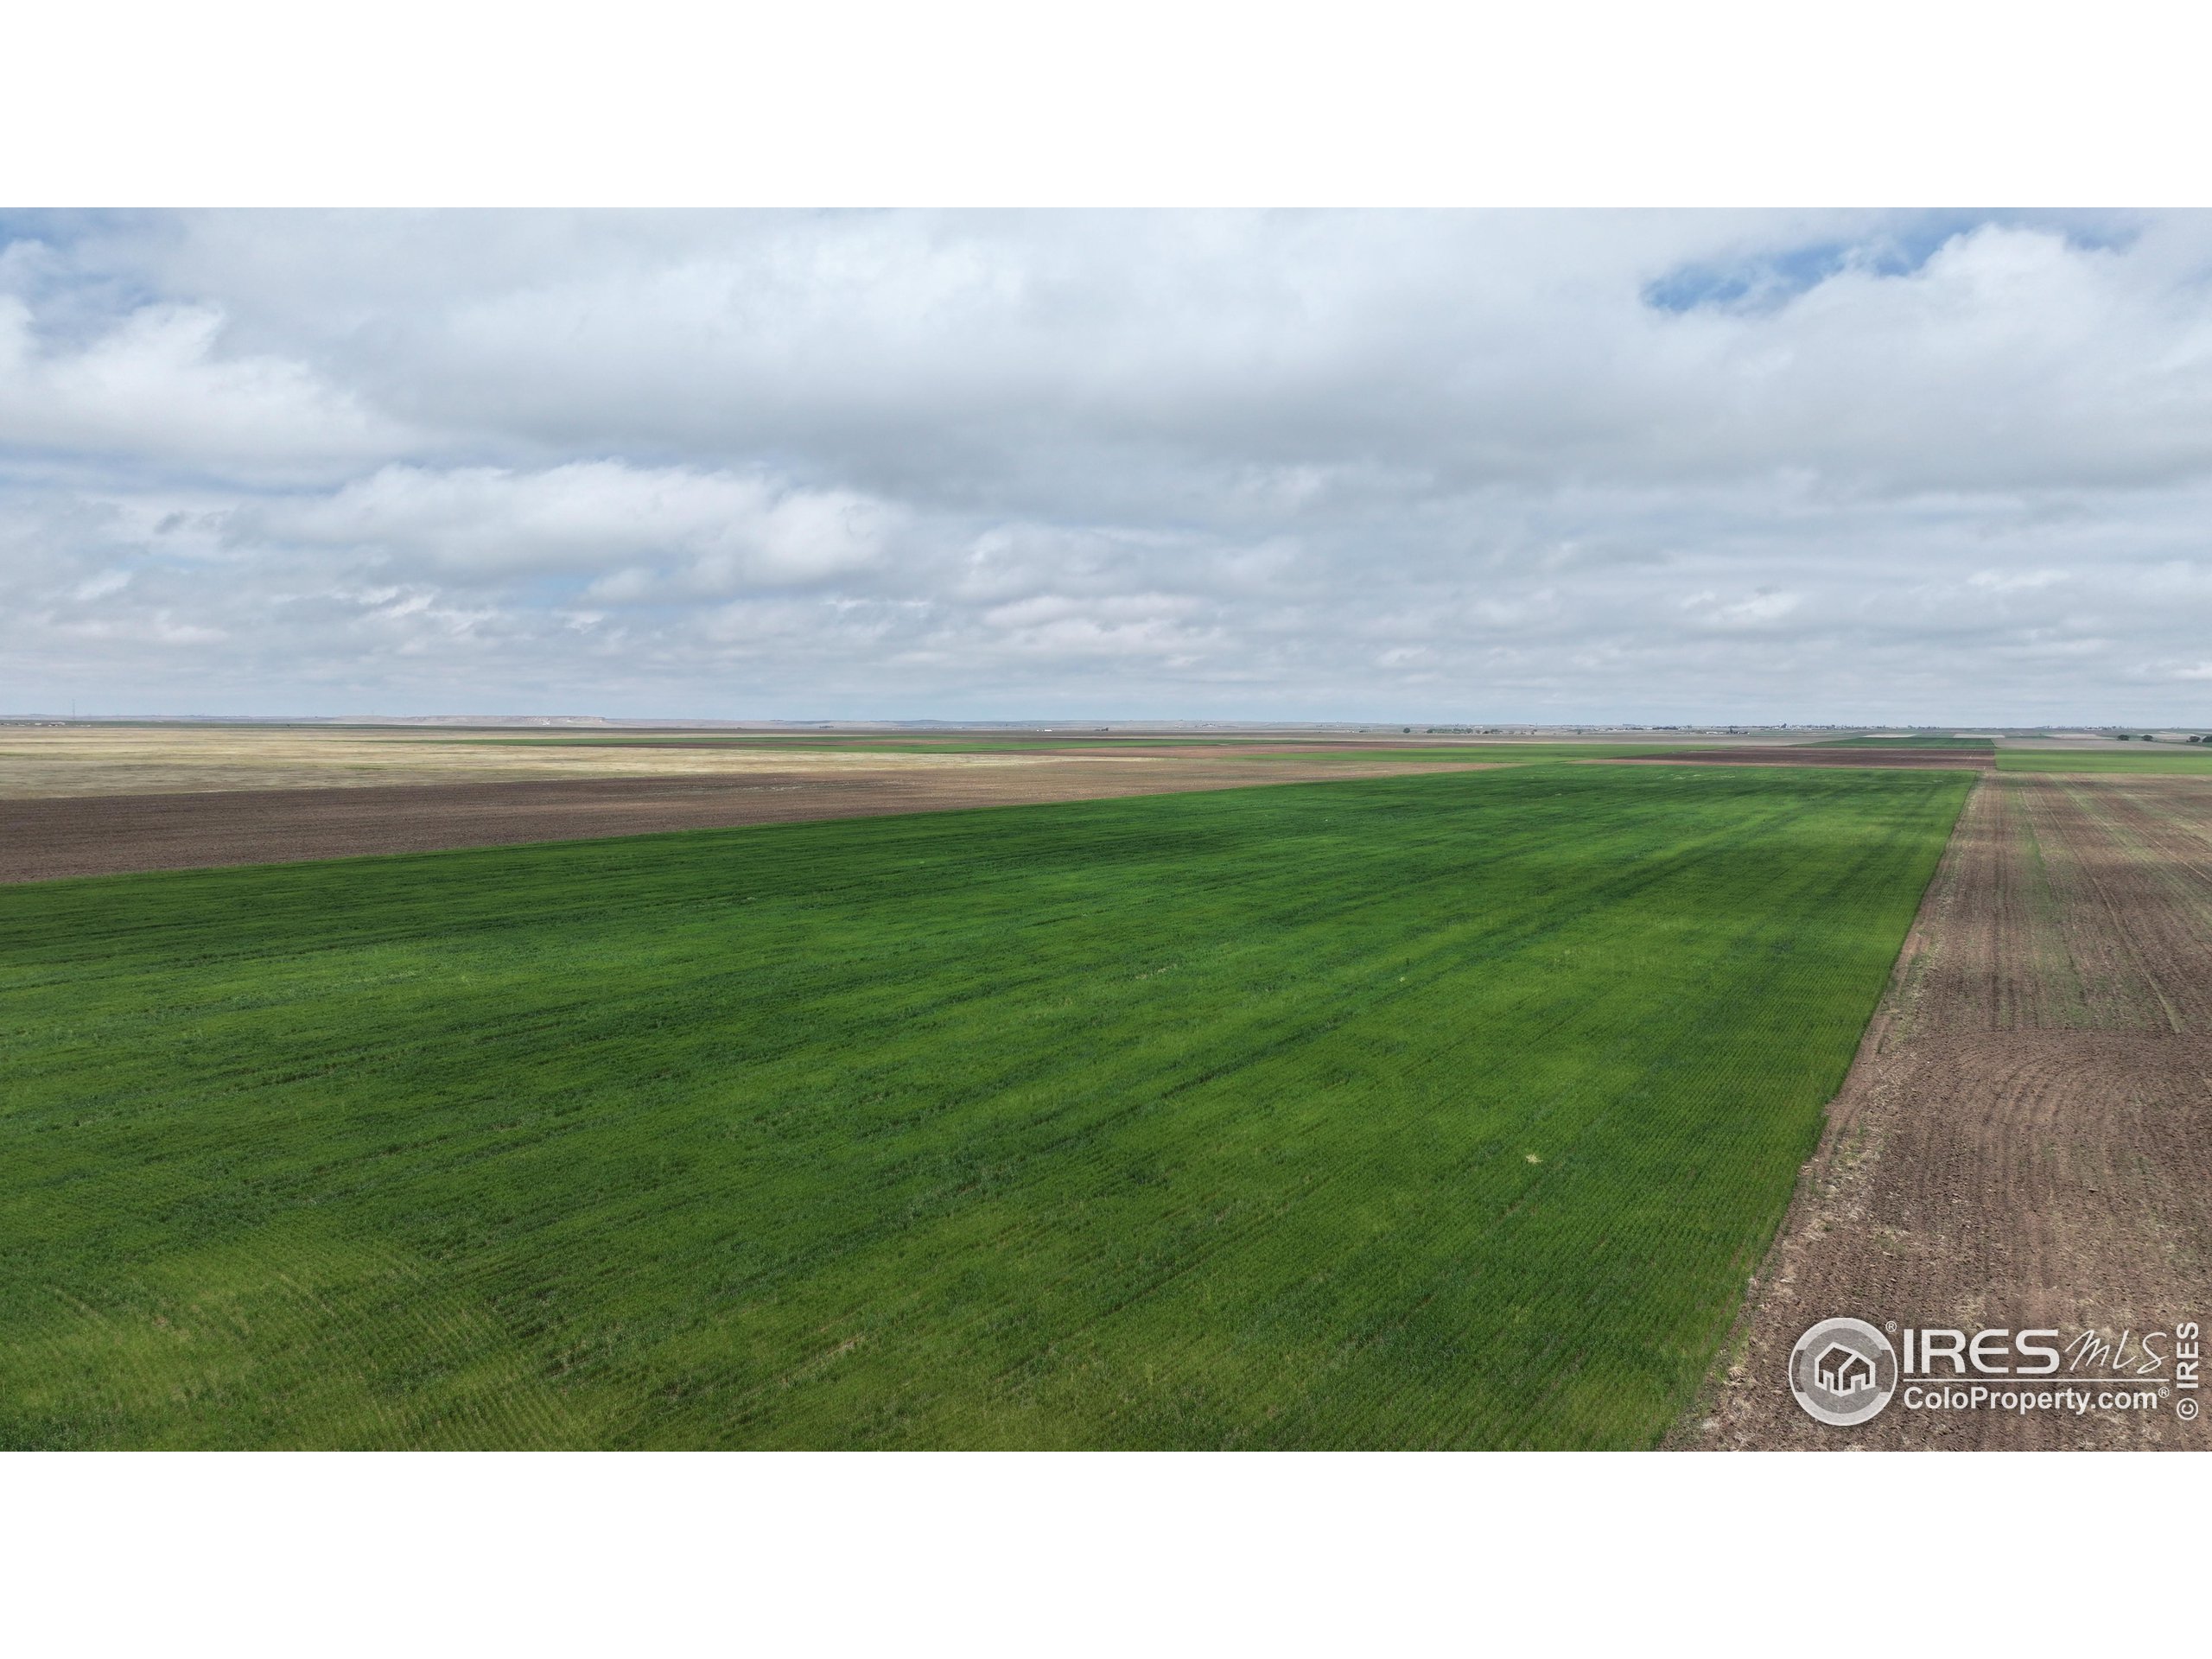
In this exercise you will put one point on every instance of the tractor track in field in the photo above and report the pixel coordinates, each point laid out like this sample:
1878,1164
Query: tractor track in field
43,838
2025,1138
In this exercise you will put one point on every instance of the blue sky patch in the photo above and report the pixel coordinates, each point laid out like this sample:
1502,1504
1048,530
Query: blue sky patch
1769,279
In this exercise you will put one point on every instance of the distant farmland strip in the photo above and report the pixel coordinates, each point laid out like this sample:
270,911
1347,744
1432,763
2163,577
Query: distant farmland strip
1820,755
1914,740
2176,760
1441,1110
1360,748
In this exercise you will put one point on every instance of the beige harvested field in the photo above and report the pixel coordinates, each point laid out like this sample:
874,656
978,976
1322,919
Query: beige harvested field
2025,1140
75,760
105,802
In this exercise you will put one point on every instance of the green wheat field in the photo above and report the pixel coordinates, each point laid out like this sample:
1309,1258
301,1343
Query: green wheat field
1447,1110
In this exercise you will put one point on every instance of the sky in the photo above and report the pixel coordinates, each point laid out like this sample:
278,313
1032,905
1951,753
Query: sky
1571,467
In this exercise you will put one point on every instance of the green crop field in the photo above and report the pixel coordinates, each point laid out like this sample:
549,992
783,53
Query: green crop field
1503,753
2191,761
1445,1111
1491,754
1496,754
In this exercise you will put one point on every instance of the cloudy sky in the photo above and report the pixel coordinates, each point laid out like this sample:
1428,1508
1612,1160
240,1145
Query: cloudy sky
1567,467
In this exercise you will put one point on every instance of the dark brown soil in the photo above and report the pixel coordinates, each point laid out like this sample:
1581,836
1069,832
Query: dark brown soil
2025,1140
106,835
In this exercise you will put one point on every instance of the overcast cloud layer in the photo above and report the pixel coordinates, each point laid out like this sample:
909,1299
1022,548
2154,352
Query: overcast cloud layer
1452,466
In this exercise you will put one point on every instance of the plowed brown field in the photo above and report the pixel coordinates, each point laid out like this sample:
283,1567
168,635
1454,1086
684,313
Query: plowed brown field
2025,1140
109,834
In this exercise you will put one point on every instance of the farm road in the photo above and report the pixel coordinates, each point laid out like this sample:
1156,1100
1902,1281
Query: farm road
2025,1138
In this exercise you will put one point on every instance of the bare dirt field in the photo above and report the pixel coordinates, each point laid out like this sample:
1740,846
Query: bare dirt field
43,836
2025,1138
1775,756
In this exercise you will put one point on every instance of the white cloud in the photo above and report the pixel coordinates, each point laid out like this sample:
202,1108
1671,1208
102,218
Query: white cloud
158,384
1749,611
100,586
2015,582
1515,466
645,532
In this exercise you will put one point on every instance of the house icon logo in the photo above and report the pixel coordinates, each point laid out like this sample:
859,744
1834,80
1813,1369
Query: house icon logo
1843,1371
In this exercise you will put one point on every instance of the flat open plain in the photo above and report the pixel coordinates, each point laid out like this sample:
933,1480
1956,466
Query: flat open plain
106,800
2025,1138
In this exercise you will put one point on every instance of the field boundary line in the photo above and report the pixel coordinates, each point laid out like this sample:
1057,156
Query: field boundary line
1850,1143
